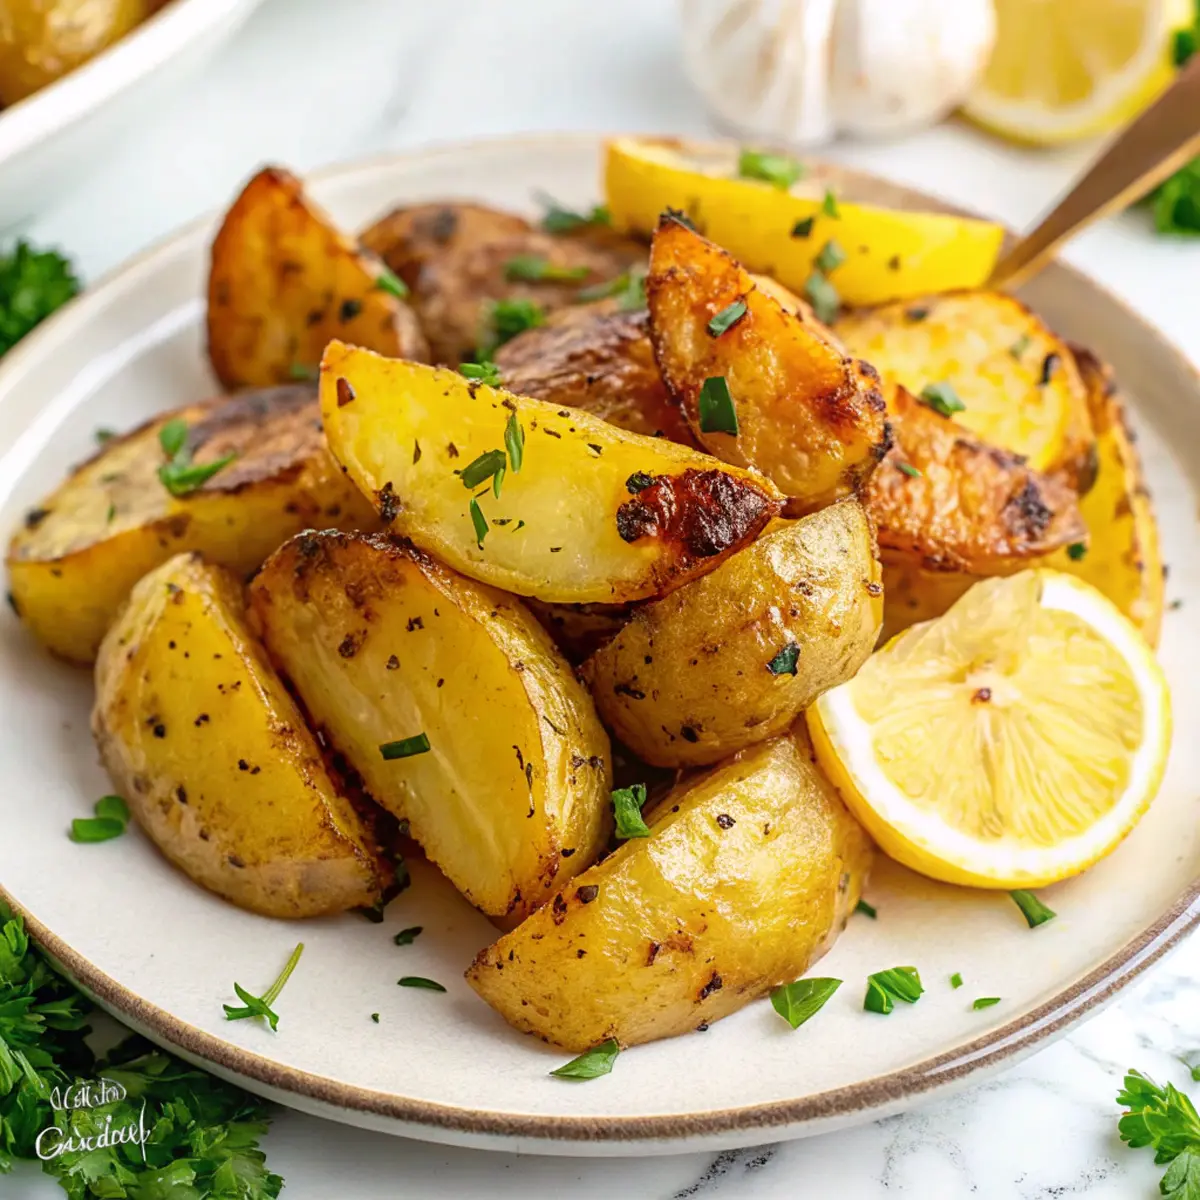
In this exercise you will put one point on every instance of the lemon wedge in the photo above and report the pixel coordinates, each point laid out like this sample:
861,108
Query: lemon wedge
1062,69
1010,743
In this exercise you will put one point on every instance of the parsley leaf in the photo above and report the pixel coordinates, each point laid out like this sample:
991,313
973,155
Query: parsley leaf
775,169
33,283
503,320
629,289
1032,909
533,268
717,412
942,398
823,296
173,436
392,284
885,987
729,316
406,937
909,470
112,816
479,521
830,257
803,228
1164,1119
419,981
591,1064
1076,551
627,808
867,910
986,1002
784,663
486,372
480,470
829,205
956,980
181,476
405,747
514,442
260,1006
797,1002
557,219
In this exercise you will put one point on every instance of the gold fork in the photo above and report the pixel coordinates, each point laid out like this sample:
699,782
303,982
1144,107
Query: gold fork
1154,146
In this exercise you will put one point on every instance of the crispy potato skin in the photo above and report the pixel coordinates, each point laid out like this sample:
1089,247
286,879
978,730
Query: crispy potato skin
1123,558
747,878
213,757
284,280
1002,361
970,507
569,527
72,565
686,682
810,419
598,358
381,642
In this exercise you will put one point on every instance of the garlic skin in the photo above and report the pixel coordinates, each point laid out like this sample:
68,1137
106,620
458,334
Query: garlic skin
803,71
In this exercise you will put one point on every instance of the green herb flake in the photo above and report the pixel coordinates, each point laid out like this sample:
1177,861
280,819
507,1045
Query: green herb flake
784,663
419,981
942,398
729,316
829,205
803,228
173,436
505,319
110,821
391,283
867,910
486,372
481,469
533,268
260,1006
557,219
830,257
797,1002
885,987
479,521
717,411
1076,551
956,980
514,442
629,289
183,478
985,1002
823,296
591,1064
33,284
112,512
1018,348
375,1018
776,169
406,937
103,435
627,808
405,747
1032,909
909,470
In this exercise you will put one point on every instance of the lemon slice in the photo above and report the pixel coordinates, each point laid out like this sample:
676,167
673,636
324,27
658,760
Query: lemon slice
1062,69
1010,743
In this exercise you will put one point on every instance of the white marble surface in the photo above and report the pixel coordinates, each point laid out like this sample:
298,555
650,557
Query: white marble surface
310,82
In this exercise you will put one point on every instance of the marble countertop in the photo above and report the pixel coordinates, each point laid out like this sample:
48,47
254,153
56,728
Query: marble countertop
307,83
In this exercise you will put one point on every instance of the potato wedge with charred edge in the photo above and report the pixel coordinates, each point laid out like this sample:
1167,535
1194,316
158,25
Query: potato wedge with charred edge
85,545
809,418
945,502
747,878
596,357
284,281
213,757
383,643
1017,379
1122,558
734,657
594,515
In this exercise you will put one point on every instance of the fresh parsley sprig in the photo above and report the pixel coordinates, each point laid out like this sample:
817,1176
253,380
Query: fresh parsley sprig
33,283
180,476
260,1006
1164,1119
627,809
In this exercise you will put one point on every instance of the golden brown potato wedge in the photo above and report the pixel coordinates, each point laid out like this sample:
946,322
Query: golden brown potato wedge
747,877
596,357
808,418
382,643
1017,379
85,545
213,757
284,281
593,515
945,502
733,658
1122,556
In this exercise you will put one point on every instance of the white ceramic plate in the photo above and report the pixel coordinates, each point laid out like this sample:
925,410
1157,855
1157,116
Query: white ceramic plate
163,955
53,137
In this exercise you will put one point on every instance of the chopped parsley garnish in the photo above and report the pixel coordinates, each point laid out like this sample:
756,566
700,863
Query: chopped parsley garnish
391,283
784,663
110,821
775,169
956,980
797,1002
181,476
867,910
558,219
483,468
479,521
1165,1120
1076,551
591,1064
627,808
172,436
486,372
33,283
909,470
419,981
112,512
533,268
803,227
406,937
103,436
629,289
504,320
405,747
514,442
375,1018
985,1002
260,1006
830,257
729,316
1032,909
1018,348
717,412
886,987
829,205
942,398
823,296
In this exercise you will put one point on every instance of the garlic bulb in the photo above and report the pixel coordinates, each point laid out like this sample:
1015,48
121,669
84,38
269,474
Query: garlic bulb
802,71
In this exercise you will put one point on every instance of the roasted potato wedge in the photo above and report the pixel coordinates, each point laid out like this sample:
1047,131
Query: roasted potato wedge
596,357
284,281
213,757
747,877
1017,379
943,501
1122,557
733,658
808,418
593,515
383,643
85,545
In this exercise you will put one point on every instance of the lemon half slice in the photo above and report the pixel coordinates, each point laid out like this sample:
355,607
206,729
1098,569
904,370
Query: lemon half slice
1012,742
1064,69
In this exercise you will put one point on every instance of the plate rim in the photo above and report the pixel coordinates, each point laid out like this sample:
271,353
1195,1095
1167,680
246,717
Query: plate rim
1004,1044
